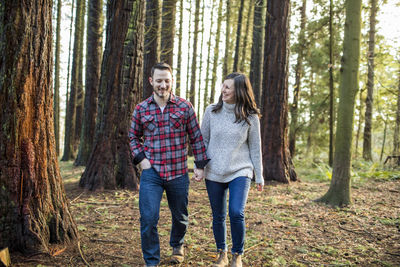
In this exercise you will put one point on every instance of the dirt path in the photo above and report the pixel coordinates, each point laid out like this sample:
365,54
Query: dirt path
284,227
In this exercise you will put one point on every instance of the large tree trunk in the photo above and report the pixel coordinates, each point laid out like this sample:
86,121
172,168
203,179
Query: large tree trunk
70,117
199,89
152,40
238,36
57,80
370,84
168,31
297,86
257,53
34,209
194,57
243,56
110,164
276,157
226,67
189,53
339,190
94,48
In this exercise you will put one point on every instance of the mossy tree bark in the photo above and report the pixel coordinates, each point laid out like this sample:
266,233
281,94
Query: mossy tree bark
339,190
110,163
168,31
34,210
276,157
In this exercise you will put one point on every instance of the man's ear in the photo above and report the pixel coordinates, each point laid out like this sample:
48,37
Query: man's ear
151,81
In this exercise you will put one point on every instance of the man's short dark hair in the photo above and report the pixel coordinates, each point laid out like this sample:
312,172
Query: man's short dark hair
161,66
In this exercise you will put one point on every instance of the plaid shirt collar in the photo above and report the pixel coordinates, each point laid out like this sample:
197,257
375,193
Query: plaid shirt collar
171,99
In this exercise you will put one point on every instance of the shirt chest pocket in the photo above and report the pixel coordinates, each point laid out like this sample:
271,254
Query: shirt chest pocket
149,124
176,119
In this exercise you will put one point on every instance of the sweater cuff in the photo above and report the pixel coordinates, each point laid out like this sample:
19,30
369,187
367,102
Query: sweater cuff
200,164
139,157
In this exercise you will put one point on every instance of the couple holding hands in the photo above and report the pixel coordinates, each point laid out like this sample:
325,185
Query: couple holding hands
227,152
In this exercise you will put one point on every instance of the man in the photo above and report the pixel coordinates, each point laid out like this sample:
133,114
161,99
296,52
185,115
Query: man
159,129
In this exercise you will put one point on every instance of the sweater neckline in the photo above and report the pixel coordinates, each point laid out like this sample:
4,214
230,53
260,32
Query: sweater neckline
229,107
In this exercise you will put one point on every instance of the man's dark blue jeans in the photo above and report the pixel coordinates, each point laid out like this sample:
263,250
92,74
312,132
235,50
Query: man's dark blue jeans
150,194
238,192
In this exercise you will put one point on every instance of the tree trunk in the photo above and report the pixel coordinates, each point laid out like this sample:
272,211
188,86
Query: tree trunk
205,97
257,53
194,57
276,157
331,89
216,53
199,89
168,31
310,131
238,36
360,120
297,86
370,84
188,53
396,139
110,163
34,209
384,140
94,47
179,63
339,190
70,117
226,68
152,42
243,57
57,80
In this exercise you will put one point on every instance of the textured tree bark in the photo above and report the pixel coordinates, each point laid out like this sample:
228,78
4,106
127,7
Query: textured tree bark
110,163
331,88
152,42
238,36
367,155
226,67
70,117
257,52
276,157
297,86
396,139
179,60
94,48
34,210
168,31
339,190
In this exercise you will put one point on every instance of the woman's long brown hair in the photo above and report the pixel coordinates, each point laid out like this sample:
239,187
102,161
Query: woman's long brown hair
244,98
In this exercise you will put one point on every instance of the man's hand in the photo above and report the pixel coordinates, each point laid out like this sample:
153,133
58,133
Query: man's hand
260,187
198,174
145,164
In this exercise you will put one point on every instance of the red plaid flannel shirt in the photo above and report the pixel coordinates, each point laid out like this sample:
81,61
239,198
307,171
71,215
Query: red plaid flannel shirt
161,137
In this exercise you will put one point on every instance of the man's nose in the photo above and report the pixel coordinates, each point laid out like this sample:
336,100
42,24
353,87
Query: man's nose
163,84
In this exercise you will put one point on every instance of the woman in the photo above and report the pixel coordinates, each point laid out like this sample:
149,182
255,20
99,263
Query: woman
231,132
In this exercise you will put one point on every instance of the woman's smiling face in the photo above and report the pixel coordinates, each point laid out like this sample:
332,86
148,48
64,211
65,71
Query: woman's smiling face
228,91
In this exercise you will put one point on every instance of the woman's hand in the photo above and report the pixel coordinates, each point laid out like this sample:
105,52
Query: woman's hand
260,187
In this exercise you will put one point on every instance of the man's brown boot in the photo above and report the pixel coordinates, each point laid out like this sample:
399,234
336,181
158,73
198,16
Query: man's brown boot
236,260
222,259
178,255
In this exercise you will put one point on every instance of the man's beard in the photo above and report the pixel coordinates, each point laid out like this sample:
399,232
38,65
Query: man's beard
162,93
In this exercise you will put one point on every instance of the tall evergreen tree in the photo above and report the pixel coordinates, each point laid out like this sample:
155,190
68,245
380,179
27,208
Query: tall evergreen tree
168,31
339,190
228,18
331,87
34,210
216,53
257,52
152,42
57,79
110,163
94,40
297,86
179,63
276,157
238,36
70,118
205,97
396,137
194,57
367,155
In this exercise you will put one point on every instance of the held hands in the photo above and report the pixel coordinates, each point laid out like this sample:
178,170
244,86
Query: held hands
145,164
198,175
260,187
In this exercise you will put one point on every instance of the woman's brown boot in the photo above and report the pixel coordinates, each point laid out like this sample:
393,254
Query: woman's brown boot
236,260
222,259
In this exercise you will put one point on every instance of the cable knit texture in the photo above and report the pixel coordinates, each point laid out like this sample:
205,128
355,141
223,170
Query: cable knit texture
234,148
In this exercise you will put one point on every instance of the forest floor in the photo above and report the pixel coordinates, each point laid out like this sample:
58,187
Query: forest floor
285,227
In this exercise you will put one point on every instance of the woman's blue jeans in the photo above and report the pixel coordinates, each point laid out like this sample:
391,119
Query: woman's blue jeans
217,193
150,194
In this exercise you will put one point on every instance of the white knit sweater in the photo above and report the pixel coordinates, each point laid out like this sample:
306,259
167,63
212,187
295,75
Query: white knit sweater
234,148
